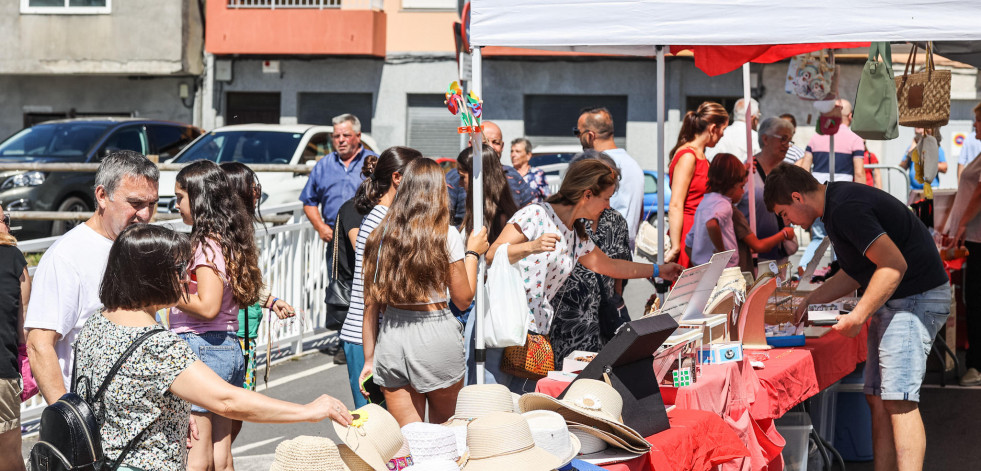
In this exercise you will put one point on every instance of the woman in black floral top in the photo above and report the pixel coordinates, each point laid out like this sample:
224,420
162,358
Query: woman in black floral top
586,297
155,388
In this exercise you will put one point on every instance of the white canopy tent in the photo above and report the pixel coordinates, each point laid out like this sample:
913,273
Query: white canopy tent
644,27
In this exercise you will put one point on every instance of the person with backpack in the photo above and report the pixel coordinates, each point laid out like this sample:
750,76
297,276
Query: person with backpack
138,417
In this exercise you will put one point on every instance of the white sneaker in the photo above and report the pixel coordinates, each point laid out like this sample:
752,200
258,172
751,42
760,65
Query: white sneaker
971,378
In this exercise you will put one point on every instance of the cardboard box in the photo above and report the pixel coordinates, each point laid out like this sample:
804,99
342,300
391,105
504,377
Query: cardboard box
721,353
577,361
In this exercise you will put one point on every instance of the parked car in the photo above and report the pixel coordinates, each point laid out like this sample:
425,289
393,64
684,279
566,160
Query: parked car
554,161
298,144
83,140
650,194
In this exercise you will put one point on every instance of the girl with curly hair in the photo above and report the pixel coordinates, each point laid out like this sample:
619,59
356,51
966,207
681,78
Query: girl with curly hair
223,277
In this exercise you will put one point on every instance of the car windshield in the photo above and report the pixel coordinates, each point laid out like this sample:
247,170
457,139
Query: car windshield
250,147
550,159
55,139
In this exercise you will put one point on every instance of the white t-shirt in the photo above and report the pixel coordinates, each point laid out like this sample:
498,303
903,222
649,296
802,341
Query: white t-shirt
970,177
544,273
734,142
65,289
718,207
629,197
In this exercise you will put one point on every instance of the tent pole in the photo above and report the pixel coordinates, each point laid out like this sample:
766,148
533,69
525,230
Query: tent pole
477,190
661,174
750,158
831,157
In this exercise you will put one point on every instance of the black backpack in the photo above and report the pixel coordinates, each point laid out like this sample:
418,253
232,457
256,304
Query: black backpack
70,437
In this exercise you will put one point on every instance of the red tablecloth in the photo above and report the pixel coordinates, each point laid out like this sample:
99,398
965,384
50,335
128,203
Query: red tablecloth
748,399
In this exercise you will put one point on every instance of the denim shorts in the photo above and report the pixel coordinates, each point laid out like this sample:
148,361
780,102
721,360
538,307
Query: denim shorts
222,353
901,336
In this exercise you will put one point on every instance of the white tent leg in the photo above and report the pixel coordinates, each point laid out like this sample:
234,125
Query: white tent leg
831,161
750,158
661,173
477,190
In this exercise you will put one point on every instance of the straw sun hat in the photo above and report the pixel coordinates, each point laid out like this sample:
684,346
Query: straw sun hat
594,405
478,400
306,453
374,436
503,441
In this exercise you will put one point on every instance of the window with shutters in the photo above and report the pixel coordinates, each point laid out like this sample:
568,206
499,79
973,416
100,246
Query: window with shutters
430,128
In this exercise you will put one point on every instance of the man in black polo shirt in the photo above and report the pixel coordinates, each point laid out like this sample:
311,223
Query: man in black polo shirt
885,249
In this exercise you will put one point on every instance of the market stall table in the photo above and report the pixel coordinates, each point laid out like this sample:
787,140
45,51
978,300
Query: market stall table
748,399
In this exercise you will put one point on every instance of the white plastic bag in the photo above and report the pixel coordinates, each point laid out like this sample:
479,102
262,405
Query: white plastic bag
506,316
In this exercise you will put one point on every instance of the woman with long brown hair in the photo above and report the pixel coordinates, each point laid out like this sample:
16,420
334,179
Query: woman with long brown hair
546,240
689,172
411,261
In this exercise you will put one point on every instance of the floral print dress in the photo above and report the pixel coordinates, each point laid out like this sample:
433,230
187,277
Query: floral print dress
139,396
544,273
576,325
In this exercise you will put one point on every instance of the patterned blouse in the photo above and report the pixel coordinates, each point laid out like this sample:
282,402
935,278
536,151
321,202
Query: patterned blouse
544,273
578,304
138,396
536,181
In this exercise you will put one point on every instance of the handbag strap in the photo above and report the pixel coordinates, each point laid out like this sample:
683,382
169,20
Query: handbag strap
910,60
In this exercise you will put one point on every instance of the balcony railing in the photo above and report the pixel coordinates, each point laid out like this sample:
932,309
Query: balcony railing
318,4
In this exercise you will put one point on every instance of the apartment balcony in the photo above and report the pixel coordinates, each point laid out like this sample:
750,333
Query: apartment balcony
296,27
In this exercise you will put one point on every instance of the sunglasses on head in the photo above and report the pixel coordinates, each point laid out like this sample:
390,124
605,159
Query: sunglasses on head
6,220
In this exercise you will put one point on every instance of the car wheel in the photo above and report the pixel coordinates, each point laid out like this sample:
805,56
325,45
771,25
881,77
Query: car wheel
72,204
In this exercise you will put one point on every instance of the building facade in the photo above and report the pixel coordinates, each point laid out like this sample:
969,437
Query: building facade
98,57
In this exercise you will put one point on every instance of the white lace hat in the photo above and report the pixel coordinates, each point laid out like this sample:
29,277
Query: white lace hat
551,434
430,442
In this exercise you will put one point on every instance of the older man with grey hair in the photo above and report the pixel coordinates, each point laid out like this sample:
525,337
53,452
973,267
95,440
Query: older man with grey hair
734,137
66,285
336,177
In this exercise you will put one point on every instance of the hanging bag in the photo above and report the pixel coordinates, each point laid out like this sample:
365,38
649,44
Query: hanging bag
812,77
924,97
338,297
876,114
533,360
506,319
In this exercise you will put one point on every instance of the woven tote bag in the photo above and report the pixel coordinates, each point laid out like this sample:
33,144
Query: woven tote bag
924,97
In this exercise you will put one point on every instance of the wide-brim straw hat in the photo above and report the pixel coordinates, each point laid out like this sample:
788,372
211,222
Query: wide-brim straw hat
374,436
503,441
592,403
478,400
430,442
306,453
551,434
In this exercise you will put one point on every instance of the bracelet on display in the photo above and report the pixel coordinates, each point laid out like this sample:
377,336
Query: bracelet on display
471,252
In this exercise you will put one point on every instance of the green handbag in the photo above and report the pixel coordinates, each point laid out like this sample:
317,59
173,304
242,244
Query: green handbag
876,110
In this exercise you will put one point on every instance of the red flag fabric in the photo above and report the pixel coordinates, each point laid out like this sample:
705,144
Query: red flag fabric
718,60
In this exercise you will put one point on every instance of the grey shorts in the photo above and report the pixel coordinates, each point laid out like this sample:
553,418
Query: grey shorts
422,349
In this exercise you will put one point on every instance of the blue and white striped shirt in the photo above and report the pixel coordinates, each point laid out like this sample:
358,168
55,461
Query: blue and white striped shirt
351,330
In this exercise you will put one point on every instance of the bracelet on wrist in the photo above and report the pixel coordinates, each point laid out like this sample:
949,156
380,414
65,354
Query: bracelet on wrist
273,303
471,252
657,271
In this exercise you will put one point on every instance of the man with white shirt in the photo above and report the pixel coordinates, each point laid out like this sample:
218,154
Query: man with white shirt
734,137
595,131
68,279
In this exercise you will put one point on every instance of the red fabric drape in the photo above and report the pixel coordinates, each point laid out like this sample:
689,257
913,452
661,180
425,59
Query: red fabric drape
718,60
